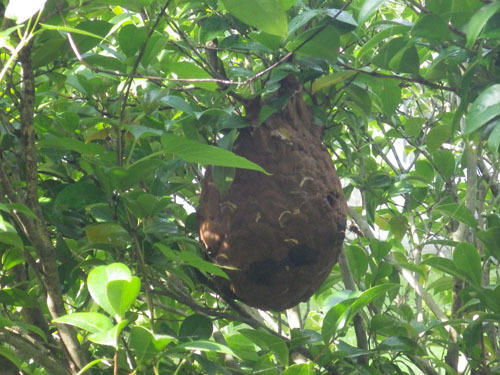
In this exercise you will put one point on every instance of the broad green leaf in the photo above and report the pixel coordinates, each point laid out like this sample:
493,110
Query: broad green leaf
398,344
342,20
445,265
379,37
48,46
322,44
141,342
206,346
98,280
178,103
18,208
369,6
266,15
185,69
268,341
406,60
142,170
479,20
332,79
301,19
8,234
437,136
195,152
131,38
300,369
445,163
72,144
368,296
431,27
494,138
467,260
79,195
122,294
107,233
196,327
89,34
358,261
335,319
14,357
484,109
12,257
89,321
458,212
491,238
20,11
424,169
191,259
109,337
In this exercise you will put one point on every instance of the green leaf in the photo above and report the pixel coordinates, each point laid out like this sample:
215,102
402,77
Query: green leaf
445,163
195,152
484,109
141,341
335,319
324,44
79,195
89,321
332,79
122,294
268,341
131,38
398,344
184,69
97,284
491,238
178,103
445,265
12,257
467,260
266,15
437,136
494,138
369,6
72,144
191,259
196,327
89,34
479,20
300,369
358,261
431,27
8,234
206,346
109,337
458,212
107,233
14,358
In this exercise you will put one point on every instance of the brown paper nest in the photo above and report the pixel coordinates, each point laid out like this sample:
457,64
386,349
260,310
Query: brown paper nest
277,236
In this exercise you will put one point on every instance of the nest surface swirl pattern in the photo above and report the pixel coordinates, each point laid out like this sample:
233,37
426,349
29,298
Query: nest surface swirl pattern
278,235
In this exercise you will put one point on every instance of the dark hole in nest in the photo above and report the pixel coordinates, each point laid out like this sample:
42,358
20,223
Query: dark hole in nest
262,272
331,199
302,255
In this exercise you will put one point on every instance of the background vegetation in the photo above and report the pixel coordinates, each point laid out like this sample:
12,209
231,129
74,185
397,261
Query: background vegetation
107,108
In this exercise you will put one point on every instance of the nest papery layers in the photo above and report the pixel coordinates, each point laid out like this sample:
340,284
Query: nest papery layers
277,236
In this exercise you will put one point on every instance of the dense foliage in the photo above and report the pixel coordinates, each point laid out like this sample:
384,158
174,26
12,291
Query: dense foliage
109,111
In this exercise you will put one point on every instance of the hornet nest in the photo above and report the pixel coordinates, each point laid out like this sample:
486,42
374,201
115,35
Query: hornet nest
277,236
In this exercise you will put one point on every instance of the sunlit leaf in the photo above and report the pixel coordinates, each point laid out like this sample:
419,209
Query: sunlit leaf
89,321
196,152
485,108
266,15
